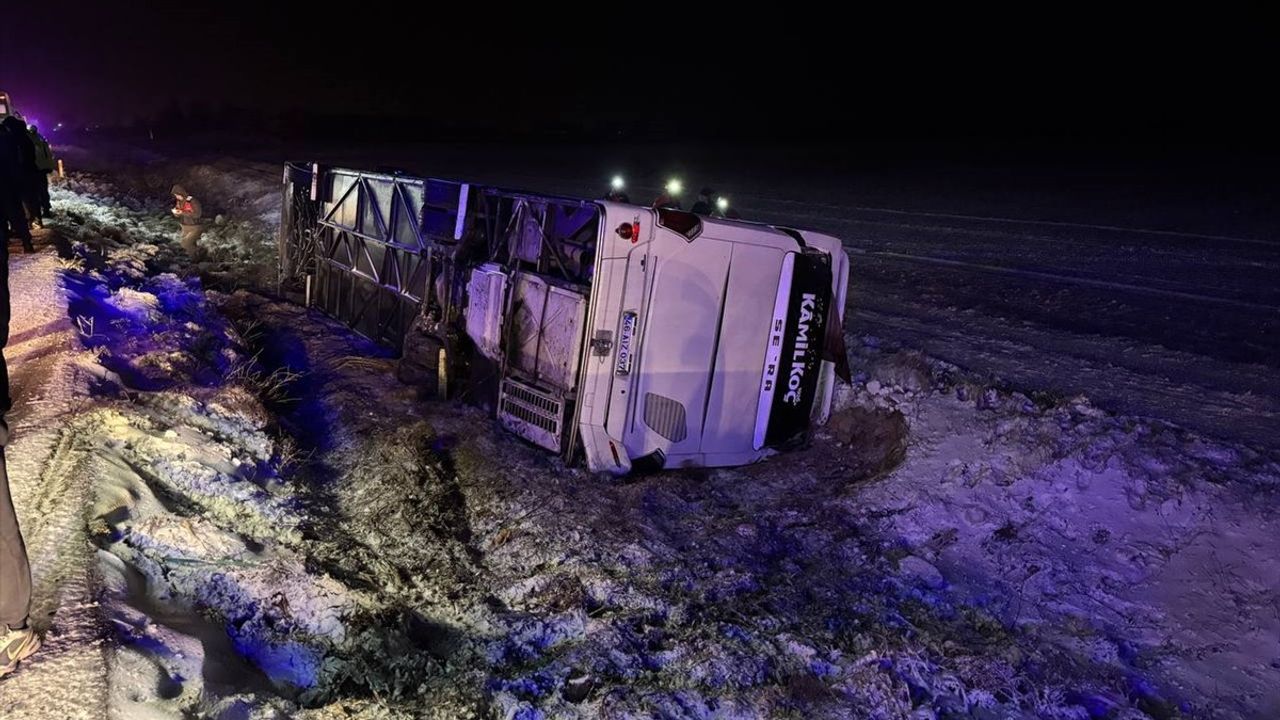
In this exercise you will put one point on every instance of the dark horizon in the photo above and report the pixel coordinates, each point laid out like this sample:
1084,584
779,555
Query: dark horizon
634,77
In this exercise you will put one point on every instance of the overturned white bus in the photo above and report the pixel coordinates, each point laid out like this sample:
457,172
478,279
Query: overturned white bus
639,337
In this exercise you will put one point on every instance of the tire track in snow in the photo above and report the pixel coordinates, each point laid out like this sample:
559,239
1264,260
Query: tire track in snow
1016,221
1180,388
68,677
1067,279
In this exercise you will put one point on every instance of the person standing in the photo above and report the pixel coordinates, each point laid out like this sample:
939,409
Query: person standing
188,211
706,204
27,164
45,165
13,146
670,197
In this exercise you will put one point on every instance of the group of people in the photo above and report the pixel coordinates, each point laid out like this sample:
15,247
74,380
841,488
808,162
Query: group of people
709,204
25,165
26,161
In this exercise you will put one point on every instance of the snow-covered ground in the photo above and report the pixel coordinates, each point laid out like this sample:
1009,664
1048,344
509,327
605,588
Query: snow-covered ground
49,381
1035,500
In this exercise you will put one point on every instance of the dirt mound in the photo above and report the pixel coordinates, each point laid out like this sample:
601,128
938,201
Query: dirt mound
870,441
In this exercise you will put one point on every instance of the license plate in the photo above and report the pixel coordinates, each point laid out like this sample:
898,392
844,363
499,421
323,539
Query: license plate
622,366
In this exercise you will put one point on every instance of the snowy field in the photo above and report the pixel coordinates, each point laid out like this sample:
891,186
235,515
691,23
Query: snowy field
1050,492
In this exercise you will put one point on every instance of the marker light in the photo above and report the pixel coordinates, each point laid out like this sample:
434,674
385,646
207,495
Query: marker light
616,183
674,186
722,204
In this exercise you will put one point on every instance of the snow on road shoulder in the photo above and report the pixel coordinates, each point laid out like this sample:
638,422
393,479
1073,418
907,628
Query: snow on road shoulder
46,465
1139,544
212,592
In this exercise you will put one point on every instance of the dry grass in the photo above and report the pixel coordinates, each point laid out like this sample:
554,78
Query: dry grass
272,387
290,456
366,364
71,264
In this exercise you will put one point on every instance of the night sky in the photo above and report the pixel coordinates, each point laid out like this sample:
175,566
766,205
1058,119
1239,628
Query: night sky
862,77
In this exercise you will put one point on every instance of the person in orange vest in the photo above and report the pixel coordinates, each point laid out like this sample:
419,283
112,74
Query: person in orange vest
188,211
670,197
